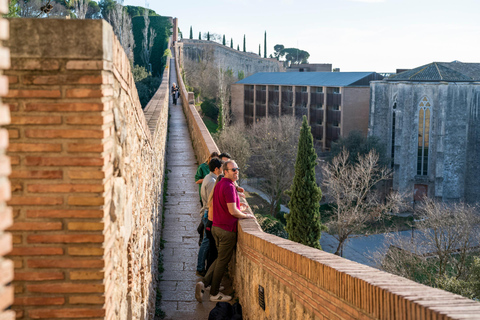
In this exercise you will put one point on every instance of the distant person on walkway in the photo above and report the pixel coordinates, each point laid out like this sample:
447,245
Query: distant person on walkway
174,93
226,212
215,166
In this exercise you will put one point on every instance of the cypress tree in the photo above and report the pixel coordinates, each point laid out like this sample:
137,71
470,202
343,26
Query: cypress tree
208,35
231,43
199,36
303,221
265,45
191,33
224,43
244,44
238,47
259,51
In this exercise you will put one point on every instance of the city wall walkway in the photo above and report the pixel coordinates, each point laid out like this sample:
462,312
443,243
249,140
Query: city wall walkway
182,215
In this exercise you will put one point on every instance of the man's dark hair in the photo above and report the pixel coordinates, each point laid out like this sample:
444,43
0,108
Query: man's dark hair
214,163
225,155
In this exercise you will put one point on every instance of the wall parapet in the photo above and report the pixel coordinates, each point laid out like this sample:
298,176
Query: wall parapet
87,174
300,282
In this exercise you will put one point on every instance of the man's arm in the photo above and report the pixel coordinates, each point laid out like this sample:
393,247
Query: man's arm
232,208
199,181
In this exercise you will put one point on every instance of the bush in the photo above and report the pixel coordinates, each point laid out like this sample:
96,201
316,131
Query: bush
271,225
146,88
139,73
209,108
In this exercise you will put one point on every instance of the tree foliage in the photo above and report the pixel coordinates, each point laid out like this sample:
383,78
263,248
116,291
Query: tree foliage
291,55
244,44
191,32
358,145
303,222
265,45
352,188
274,148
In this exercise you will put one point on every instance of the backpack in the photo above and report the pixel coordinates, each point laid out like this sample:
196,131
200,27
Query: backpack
226,311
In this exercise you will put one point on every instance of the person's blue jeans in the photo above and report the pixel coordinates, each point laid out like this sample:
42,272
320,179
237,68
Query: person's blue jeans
203,251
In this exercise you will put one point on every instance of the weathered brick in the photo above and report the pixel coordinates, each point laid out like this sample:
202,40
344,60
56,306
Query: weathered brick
86,275
23,120
13,133
38,276
85,251
65,188
84,65
84,93
39,301
36,174
13,160
65,107
33,93
65,288
85,147
65,263
17,264
5,243
64,161
34,64
65,213
86,175
66,313
13,107
34,147
6,273
63,133
35,226
62,79
90,299
86,201
17,238
34,201
38,251
87,226
69,238
6,219
16,186
85,120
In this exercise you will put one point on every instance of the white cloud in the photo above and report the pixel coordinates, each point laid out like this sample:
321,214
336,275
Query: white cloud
369,1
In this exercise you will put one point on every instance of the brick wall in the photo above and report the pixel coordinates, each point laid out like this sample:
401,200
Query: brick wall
6,265
300,282
86,178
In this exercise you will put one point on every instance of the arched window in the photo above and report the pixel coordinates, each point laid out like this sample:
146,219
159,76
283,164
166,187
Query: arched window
424,113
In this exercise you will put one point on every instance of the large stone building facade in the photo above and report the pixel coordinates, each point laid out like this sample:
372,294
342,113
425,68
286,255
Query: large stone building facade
428,118
335,103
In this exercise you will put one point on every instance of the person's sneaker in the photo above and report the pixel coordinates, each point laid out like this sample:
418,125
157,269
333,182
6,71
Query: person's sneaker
220,297
201,273
221,288
199,290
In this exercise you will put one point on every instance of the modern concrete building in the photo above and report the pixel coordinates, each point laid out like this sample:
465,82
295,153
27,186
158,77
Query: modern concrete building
429,118
335,103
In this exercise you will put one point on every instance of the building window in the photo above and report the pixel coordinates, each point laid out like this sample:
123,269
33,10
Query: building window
336,107
263,88
289,88
319,89
304,89
336,90
275,88
424,113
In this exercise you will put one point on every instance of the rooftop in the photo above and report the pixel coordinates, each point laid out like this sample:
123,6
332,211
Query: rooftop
455,71
327,79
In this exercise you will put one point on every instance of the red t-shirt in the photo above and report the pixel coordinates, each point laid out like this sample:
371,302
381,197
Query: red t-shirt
225,192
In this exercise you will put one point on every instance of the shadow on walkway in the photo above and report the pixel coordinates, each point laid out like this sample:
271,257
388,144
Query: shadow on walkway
182,215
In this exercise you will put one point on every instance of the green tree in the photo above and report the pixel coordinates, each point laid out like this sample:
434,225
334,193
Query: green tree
220,120
265,45
244,44
231,43
278,51
191,33
199,36
208,36
303,222
238,47
259,51
13,9
223,41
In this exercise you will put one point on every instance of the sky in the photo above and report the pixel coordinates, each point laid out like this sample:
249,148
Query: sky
353,35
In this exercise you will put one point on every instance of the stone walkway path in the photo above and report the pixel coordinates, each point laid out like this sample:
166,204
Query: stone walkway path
182,215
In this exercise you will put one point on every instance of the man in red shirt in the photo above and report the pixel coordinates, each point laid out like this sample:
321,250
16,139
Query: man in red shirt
226,212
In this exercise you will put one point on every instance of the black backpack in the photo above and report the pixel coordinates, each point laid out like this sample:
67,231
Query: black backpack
226,311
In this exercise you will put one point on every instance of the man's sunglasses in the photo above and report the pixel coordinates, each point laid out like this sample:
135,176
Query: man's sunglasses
234,169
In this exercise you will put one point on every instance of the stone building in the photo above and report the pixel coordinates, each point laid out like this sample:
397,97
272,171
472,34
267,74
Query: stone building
334,102
428,118
310,67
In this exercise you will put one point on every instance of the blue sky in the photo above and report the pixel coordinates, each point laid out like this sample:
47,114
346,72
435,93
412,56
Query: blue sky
353,35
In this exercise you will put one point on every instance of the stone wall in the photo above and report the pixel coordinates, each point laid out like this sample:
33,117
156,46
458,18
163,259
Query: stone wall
87,174
228,58
6,265
299,282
